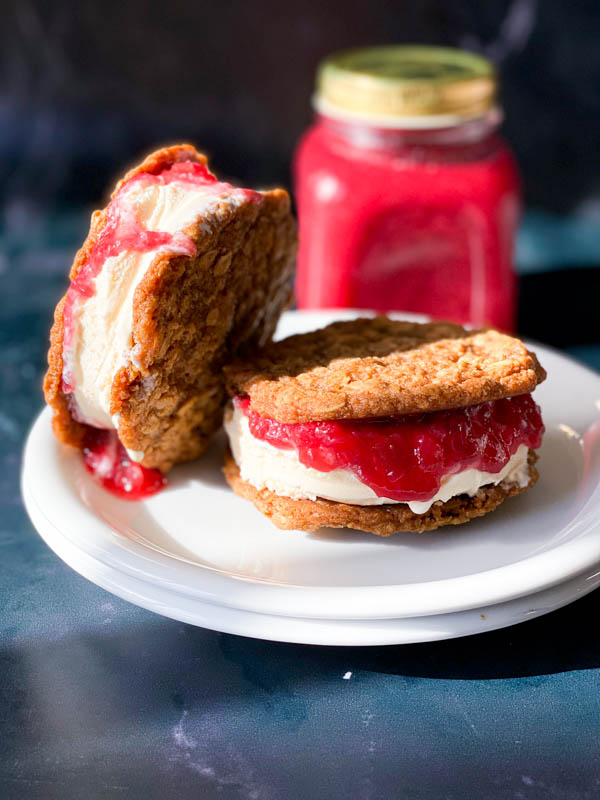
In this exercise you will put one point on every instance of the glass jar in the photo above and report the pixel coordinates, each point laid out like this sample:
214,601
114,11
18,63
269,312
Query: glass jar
408,198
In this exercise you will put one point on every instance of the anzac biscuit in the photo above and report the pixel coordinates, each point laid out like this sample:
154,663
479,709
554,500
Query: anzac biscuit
381,367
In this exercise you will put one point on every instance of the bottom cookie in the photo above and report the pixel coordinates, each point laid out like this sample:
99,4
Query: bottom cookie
310,515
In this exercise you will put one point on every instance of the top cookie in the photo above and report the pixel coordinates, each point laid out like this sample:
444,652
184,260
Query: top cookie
381,367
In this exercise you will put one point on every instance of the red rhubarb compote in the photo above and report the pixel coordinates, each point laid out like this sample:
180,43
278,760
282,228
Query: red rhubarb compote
408,197
405,458
108,462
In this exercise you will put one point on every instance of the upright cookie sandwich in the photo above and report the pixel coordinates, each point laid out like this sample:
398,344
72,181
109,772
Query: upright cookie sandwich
383,426
179,273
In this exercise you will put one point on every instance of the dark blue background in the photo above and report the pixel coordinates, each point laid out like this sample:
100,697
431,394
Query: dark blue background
86,86
101,699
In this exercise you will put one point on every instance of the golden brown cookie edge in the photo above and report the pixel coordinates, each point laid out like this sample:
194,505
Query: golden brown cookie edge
243,326
361,386
310,515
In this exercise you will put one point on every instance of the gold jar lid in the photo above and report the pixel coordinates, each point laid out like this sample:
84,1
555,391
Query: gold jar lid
406,81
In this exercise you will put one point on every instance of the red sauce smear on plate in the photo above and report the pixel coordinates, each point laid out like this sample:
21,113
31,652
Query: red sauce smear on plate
405,458
107,460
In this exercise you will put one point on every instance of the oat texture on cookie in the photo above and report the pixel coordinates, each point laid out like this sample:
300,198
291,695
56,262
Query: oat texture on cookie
378,367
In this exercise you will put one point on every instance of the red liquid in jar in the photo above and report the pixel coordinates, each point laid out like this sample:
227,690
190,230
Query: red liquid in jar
107,460
405,458
414,221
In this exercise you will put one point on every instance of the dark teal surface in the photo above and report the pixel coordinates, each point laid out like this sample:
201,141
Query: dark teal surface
101,699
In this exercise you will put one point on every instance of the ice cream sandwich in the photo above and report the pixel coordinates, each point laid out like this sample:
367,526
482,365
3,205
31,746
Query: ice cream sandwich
383,426
179,273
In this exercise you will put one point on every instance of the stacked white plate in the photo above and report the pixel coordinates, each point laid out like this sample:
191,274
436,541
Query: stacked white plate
197,553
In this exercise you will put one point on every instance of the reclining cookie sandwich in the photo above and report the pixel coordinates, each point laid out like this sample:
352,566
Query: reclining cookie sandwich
179,273
383,426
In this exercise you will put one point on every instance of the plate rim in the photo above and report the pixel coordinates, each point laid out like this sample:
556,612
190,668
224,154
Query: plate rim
311,631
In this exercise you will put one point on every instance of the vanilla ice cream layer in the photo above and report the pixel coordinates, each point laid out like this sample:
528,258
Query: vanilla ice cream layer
102,341
280,471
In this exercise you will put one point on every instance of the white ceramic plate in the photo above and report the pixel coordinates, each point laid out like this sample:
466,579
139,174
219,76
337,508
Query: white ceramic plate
166,600
197,540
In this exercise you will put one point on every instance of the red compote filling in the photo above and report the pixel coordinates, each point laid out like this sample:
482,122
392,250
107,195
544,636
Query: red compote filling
405,458
107,460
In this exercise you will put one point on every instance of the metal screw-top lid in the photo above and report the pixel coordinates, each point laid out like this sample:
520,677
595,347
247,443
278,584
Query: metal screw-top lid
406,81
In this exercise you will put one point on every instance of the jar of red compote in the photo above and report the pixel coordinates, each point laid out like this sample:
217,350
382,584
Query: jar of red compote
408,197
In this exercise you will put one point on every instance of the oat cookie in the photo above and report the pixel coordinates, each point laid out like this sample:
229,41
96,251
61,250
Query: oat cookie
379,367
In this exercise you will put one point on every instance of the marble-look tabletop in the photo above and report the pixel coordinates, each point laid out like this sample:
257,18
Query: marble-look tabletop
102,699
